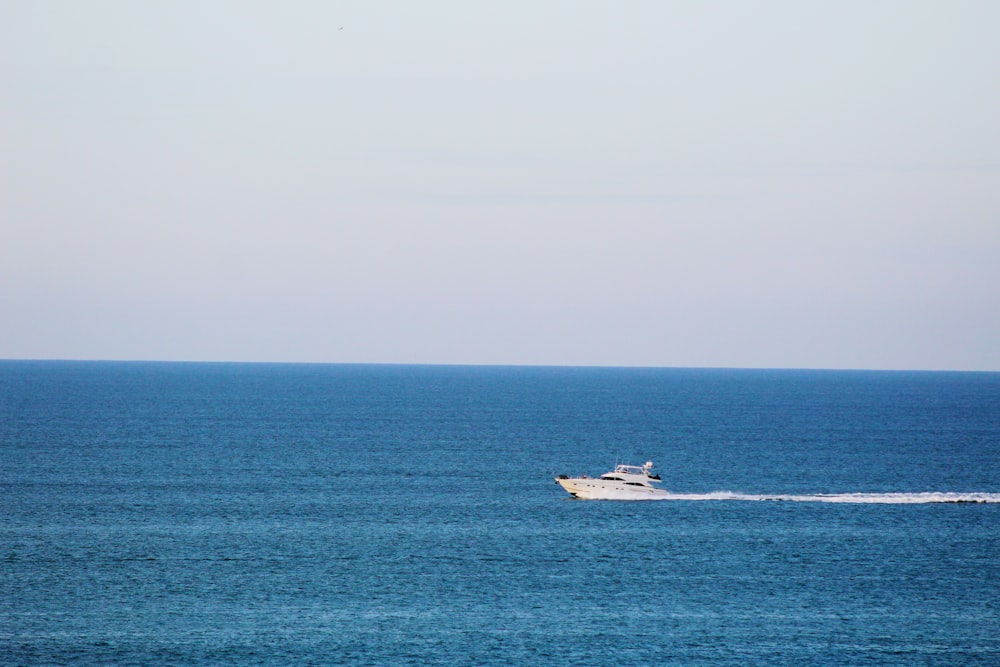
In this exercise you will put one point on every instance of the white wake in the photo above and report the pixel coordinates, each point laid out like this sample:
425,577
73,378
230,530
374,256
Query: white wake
858,498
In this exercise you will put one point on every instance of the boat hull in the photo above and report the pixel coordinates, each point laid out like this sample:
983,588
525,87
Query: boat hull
586,488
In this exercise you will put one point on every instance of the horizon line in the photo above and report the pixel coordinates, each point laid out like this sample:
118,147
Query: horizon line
595,366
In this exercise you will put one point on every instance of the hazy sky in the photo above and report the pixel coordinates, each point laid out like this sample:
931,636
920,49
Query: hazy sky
697,183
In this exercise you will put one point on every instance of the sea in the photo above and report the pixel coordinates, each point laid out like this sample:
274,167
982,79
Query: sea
298,514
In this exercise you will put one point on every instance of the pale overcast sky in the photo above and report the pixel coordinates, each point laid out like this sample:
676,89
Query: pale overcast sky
652,183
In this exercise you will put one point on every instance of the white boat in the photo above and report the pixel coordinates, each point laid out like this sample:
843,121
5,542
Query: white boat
625,482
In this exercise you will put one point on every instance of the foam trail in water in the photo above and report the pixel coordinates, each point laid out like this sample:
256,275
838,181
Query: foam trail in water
858,498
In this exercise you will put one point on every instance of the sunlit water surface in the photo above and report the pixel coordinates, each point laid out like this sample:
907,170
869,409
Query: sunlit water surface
179,514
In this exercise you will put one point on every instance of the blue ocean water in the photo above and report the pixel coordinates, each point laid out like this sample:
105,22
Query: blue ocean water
256,514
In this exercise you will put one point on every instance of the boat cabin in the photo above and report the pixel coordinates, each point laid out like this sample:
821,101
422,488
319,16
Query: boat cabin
621,469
